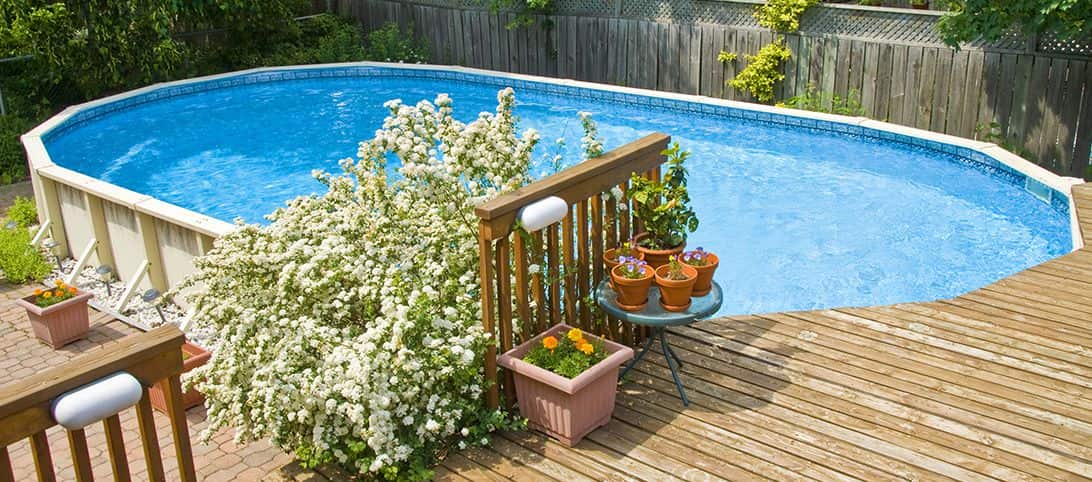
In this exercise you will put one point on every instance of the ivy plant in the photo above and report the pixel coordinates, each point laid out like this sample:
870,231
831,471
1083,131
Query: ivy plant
782,15
763,71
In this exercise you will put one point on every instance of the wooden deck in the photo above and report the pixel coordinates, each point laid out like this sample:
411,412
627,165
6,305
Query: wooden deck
992,385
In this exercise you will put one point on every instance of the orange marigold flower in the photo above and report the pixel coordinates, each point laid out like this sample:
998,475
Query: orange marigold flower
47,295
587,348
575,335
59,292
58,282
549,342
72,289
38,292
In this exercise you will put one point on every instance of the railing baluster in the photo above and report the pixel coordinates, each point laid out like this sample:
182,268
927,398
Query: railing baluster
6,474
504,305
538,287
179,431
571,315
582,275
554,281
43,461
148,439
601,325
115,443
81,460
522,298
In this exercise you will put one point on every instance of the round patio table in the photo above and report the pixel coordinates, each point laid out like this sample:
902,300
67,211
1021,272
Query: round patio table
657,318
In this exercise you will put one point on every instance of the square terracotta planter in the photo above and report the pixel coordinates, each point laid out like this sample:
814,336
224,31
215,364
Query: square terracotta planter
566,409
59,324
195,357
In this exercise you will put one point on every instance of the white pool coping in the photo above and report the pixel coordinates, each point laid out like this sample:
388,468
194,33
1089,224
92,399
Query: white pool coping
42,164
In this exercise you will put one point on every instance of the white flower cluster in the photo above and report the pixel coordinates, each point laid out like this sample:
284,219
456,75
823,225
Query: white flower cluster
593,146
348,329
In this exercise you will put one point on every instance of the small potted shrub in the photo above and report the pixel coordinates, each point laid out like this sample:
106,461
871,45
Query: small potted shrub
706,264
58,315
627,249
676,282
193,356
631,280
664,209
566,381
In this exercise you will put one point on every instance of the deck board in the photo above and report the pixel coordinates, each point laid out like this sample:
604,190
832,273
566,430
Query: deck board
995,384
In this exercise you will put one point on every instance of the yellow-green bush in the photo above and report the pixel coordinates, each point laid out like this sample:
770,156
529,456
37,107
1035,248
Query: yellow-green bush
762,72
782,15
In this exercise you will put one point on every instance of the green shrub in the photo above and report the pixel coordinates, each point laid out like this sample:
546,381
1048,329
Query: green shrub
322,39
828,102
23,212
763,71
13,160
782,15
19,261
389,44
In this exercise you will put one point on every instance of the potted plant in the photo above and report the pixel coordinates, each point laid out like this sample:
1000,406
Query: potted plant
627,249
676,282
920,4
664,209
57,315
193,356
706,264
631,280
566,381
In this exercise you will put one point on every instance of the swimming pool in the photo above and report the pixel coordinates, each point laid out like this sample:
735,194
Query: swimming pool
805,213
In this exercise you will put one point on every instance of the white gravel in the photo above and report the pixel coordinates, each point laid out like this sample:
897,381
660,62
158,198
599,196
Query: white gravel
138,310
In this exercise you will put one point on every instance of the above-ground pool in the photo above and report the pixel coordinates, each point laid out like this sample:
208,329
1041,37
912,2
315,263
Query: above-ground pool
804,213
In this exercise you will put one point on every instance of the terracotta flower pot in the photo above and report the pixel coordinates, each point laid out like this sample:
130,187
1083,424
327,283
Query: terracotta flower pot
60,324
704,283
658,257
632,293
675,294
610,258
566,408
194,356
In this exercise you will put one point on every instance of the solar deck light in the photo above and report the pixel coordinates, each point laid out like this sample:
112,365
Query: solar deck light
51,245
11,225
106,274
542,213
150,296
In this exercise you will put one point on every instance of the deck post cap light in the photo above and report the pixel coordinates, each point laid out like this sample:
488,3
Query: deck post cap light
97,400
542,213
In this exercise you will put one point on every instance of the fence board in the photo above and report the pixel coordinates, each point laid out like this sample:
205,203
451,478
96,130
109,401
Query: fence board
1039,102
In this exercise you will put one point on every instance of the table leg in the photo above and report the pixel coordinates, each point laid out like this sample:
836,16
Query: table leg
670,356
670,350
640,354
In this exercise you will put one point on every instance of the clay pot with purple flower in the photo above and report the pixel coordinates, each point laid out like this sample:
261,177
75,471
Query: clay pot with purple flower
676,282
628,249
632,279
706,264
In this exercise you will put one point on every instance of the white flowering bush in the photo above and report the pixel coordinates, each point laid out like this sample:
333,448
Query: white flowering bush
348,329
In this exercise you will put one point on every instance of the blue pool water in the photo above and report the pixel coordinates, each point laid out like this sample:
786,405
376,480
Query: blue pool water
801,218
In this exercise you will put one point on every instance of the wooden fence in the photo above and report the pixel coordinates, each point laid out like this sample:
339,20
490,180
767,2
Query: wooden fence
569,252
25,408
1041,102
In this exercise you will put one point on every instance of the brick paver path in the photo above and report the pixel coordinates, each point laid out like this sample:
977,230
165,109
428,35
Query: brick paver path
220,460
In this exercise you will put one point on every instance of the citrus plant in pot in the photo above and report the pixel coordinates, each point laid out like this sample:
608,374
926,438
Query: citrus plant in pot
706,264
566,381
631,280
663,207
676,281
58,315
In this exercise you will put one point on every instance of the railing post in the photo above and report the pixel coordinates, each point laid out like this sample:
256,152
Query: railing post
485,270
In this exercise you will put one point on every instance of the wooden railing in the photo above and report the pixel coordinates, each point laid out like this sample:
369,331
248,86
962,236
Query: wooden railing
569,253
25,407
